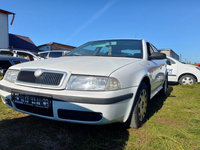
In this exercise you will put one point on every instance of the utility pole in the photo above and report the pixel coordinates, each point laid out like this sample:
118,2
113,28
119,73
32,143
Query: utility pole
180,59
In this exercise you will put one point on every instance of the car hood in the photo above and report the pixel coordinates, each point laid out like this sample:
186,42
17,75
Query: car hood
90,65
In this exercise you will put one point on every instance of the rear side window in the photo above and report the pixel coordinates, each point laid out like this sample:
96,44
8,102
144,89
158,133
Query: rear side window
5,64
150,49
55,54
25,55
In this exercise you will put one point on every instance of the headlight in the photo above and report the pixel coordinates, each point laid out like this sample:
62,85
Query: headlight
11,75
92,83
198,68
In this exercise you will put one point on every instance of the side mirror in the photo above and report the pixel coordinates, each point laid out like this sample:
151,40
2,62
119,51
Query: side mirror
157,56
168,62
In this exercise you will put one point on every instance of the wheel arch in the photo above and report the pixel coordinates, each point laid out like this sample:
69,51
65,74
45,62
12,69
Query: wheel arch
146,80
187,74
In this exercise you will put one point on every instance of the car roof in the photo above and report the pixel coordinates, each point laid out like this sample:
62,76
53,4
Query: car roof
117,39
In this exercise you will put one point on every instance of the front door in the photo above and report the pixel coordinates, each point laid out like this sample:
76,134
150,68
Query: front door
172,70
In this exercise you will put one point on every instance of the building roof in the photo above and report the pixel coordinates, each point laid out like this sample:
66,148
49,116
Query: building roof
166,49
6,12
57,45
21,42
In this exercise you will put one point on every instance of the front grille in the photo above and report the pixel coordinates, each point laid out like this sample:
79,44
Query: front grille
46,78
79,115
35,110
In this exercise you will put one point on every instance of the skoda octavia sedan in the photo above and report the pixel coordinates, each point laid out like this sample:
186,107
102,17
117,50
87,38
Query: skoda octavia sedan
100,82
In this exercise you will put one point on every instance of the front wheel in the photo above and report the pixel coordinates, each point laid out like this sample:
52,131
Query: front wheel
187,80
139,111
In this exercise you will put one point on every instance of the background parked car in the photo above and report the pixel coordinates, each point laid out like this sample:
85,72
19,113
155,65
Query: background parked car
27,55
182,73
198,65
6,52
7,61
53,54
21,53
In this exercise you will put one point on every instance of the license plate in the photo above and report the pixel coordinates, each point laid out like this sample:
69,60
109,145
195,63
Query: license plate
35,101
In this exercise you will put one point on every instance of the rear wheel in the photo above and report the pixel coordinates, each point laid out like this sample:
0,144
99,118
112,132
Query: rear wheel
139,111
187,80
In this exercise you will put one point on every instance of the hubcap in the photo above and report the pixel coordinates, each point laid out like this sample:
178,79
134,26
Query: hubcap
187,80
142,106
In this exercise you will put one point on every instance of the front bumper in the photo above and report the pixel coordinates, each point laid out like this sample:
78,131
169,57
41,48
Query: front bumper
112,106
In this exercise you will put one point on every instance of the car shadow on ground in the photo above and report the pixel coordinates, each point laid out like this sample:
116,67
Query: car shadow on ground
157,102
31,132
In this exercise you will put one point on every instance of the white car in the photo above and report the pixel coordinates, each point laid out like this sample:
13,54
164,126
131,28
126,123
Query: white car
21,53
182,73
27,55
99,82
6,52
53,54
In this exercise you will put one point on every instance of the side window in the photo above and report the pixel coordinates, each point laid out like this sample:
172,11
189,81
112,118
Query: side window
154,48
55,54
150,50
44,54
25,55
171,61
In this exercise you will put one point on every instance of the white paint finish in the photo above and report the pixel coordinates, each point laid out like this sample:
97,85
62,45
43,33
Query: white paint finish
4,39
117,112
23,54
128,71
88,65
177,69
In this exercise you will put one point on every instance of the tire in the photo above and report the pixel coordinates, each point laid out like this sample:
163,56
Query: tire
187,80
163,92
139,109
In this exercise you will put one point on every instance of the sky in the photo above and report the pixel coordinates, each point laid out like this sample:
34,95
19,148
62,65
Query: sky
173,24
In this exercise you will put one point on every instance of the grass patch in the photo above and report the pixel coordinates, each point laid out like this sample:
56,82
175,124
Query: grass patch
173,122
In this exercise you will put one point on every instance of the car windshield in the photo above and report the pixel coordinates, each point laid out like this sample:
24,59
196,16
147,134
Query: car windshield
111,48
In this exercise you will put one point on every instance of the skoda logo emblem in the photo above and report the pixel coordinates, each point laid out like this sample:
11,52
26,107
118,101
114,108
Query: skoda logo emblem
38,73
